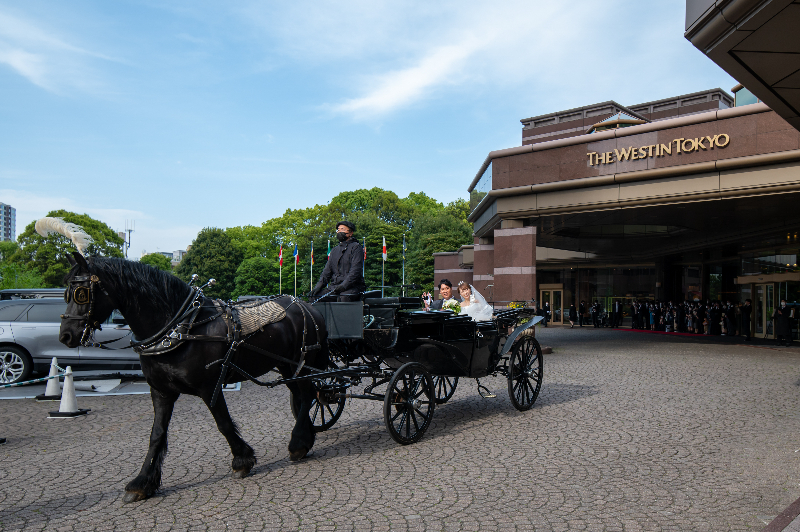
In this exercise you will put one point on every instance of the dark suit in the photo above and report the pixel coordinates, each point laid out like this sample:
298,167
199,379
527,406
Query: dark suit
437,305
746,311
344,272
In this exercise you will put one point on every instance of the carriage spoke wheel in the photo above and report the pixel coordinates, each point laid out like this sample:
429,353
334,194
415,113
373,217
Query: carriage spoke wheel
444,387
409,403
525,370
325,409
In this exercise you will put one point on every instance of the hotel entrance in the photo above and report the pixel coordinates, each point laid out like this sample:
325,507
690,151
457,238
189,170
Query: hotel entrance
553,294
764,303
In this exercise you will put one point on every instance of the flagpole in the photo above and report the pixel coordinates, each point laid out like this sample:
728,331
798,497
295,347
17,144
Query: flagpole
295,269
404,265
383,265
312,266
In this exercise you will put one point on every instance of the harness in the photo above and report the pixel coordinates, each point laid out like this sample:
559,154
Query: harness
178,329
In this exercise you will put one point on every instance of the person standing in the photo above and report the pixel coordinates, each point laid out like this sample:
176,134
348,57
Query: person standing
546,310
344,272
783,325
746,310
573,315
581,313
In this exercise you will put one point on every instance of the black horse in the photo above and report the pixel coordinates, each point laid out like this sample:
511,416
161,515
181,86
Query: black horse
149,299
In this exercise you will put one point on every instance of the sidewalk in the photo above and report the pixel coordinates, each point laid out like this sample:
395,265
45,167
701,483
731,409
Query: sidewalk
787,521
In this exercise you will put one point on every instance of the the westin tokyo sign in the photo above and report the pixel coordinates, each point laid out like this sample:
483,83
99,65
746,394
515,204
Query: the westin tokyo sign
659,150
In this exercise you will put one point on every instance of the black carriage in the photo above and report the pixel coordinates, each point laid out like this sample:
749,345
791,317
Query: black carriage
420,357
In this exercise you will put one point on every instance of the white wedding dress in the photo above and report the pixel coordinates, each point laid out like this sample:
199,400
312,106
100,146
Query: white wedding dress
478,309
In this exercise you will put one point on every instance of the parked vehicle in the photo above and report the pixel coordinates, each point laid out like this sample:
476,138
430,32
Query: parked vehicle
30,293
29,330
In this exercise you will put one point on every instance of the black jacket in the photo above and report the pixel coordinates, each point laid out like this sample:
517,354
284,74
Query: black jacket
344,269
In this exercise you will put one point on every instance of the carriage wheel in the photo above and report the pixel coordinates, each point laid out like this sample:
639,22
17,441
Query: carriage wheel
525,371
409,403
325,410
444,387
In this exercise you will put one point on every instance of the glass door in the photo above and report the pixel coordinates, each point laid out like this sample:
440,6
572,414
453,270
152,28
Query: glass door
764,303
554,303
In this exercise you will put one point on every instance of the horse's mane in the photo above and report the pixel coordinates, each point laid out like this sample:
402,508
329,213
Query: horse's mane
140,283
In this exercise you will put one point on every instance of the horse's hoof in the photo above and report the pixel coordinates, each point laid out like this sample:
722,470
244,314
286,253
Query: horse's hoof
241,473
297,455
133,496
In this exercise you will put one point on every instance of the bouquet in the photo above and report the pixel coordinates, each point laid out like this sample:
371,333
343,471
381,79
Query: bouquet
452,304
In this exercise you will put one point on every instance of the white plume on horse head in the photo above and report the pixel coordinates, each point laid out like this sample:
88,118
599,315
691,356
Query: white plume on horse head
48,226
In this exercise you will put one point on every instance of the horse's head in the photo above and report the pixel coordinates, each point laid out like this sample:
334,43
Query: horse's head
88,304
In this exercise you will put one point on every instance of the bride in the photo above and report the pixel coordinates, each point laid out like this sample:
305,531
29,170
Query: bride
473,304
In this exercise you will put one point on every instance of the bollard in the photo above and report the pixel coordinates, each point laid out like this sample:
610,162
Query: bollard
69,403
53,390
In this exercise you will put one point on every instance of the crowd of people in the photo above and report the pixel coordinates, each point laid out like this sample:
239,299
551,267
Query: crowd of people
718,318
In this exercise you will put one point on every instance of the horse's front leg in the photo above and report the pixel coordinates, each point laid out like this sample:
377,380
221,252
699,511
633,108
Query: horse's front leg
303,435
149,478
243,456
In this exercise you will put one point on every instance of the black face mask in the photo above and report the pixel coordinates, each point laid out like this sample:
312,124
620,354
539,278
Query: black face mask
341,237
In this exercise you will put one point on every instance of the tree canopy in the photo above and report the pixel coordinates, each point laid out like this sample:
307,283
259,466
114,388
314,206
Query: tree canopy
158,260
212,255
47,256
428,225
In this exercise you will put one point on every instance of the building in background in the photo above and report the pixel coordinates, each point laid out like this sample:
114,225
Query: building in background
693,197
8,223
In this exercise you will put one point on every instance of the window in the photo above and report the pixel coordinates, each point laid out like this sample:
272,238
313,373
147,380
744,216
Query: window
482,187
46,313
10,312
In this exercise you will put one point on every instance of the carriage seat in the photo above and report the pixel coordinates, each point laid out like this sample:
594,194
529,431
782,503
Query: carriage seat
370,294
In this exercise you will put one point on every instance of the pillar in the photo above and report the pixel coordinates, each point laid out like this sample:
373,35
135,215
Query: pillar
514,262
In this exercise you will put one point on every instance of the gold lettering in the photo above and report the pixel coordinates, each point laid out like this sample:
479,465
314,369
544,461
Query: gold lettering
609,157
634,152
710,142
601,158
591,157
623,155
677,145
650,150
691,146
666,148
699,143
641,152
727,140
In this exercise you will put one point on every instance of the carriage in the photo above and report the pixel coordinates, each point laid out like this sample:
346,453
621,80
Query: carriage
419,356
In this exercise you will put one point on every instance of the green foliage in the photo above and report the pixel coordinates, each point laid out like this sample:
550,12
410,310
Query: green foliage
13,275
256,276
429,227
47,257
212,255
7,249
158,260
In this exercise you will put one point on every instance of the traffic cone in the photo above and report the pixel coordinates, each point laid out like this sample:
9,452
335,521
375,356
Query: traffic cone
69,403
53,390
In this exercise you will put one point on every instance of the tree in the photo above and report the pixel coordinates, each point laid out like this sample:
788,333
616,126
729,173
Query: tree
14,275
256,276
158,260
48,256
212,255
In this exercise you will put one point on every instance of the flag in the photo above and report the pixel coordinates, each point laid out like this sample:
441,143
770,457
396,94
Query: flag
296,255
365,248
384,248
312,252
329,249
280,256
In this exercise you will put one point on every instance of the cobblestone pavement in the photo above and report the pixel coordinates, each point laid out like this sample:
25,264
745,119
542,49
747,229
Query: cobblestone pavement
630,432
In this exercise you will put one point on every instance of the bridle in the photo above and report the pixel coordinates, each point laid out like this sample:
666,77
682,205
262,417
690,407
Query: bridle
85,295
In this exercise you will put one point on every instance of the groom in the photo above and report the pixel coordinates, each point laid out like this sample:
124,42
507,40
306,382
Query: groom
446,291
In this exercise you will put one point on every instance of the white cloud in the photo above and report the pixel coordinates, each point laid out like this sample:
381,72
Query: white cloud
44,59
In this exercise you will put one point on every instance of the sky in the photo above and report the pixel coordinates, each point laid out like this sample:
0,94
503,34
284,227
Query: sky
184,114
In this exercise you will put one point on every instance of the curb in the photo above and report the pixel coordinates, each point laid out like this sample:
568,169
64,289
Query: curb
784,518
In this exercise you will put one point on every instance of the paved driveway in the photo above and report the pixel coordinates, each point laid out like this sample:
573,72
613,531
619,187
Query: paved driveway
631,432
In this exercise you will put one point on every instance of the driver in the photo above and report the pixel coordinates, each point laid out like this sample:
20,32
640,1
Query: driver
344,272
